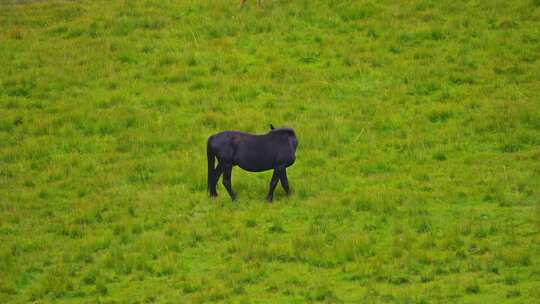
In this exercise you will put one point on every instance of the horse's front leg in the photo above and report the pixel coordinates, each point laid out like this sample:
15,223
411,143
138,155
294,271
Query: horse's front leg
227,172
273,184
285,181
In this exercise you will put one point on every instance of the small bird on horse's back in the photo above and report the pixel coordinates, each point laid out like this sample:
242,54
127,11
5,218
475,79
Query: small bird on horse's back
274,150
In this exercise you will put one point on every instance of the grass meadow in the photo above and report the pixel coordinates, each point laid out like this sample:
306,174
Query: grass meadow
417,177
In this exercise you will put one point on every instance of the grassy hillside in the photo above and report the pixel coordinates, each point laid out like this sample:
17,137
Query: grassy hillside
418,170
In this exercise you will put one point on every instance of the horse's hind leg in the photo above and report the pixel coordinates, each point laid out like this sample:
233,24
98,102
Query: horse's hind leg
215,178
227,172
219,170
285,181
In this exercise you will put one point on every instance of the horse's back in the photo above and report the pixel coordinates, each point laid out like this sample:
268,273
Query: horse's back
226,144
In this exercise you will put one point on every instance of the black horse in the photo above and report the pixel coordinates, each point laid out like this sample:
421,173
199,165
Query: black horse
255,153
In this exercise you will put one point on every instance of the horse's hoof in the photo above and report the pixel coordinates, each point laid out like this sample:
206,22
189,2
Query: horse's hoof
269,199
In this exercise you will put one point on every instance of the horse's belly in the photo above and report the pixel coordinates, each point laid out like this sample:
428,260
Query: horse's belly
254,167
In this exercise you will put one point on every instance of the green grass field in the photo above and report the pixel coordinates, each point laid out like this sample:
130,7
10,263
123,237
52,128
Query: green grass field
418,170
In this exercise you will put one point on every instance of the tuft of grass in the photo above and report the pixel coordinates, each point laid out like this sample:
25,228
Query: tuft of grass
472,288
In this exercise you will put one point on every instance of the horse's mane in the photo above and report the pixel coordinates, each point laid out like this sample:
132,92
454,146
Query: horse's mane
282,130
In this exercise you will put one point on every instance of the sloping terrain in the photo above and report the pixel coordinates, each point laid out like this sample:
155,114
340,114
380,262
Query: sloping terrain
418,170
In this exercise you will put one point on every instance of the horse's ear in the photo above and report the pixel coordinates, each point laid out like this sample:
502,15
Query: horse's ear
271,127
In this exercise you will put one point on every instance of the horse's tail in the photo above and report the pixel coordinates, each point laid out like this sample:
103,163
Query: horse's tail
211,161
